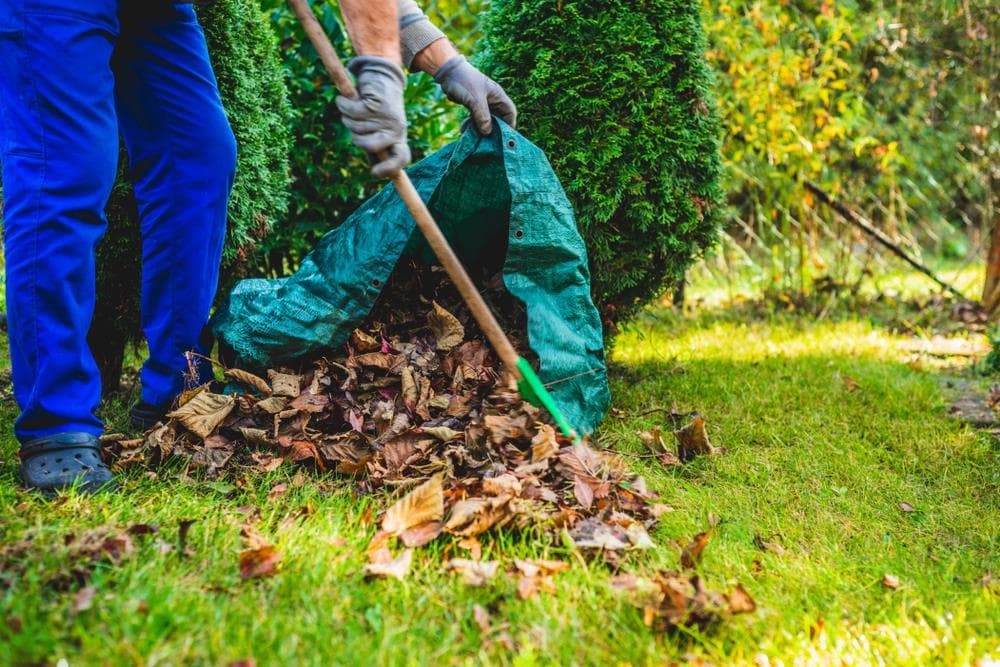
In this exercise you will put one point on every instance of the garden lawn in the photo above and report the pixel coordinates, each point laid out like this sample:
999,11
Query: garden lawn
826,429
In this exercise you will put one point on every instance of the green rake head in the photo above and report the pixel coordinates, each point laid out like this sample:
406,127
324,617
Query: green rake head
533,391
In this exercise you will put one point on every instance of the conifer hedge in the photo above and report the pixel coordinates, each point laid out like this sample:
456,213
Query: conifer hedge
246,63
616,92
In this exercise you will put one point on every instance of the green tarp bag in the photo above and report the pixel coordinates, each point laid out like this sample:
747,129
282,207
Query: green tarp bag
483,191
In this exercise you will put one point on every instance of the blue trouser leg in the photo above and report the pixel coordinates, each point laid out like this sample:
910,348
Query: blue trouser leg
59,149
182,158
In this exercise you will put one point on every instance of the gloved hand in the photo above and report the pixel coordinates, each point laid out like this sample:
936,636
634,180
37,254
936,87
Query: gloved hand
481,95
377,117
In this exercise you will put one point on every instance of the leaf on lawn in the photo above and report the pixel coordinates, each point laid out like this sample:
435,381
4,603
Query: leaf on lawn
592,533
83,600
422,504
260,562
203,413
259,558
103,543
638,536
183,528
850,384
448,331
907,507
768,545
890,581
248,379
691,554
396,568
474,572
482,618
740,601
536,576
692,440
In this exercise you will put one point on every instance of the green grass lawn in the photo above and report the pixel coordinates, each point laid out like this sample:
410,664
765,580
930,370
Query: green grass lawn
809,463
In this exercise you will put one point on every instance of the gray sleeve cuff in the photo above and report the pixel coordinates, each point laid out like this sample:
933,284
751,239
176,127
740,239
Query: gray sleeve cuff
416,32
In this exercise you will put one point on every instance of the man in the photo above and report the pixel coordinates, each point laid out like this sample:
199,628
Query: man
73,76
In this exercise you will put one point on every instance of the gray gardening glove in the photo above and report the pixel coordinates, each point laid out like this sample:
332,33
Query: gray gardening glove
377,117
481,95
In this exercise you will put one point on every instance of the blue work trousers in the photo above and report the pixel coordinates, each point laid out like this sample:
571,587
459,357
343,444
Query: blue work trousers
73,76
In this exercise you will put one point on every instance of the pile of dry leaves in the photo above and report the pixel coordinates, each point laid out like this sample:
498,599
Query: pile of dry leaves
414,403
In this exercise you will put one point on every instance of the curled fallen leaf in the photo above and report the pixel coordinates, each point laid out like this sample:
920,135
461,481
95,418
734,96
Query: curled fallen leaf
261,561
691,554
83,600
448,331
474,572
890,581
202,414
692,440
740,601
422,504
396,568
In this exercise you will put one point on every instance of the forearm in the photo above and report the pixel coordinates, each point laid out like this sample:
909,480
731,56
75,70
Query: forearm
422,44
373,26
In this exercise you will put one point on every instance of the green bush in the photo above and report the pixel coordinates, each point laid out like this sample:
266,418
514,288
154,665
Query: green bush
246,64
330,176
616,93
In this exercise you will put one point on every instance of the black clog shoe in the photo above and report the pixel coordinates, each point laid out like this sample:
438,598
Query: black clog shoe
63,461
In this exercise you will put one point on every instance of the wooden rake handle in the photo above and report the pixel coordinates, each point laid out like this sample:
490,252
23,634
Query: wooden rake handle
438,243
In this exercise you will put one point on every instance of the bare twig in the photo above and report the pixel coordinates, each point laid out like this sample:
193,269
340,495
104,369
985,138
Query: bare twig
878,235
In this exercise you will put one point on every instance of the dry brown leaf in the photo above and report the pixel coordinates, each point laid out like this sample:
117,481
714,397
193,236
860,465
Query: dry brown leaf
505,484
418,536
638,536
592,533
272,405
473,516
248,379
448,331
422,504
768,545
285,384
907,507
482,617
540,567
83,600
362,342
692,440
691,554
475,573
850,384
396,568
260,560
203,413
583,493
890,581
544,445
740,601
382,360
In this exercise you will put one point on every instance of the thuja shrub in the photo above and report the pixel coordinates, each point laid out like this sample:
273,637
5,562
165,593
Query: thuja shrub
616,92
247,66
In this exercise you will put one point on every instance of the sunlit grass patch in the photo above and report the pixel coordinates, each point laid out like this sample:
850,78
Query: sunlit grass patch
827,430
